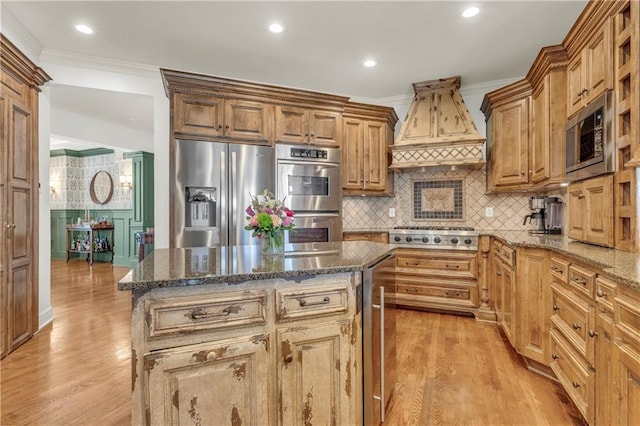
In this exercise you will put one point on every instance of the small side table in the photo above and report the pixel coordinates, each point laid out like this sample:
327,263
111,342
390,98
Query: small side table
89,239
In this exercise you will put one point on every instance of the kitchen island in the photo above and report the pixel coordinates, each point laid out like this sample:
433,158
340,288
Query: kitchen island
225,335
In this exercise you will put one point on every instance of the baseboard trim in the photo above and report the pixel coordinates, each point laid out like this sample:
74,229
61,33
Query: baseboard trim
45,318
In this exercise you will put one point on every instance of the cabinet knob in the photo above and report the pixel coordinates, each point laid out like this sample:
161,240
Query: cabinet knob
555,308
288,358
219,126
554,356
601,293
499,273
575,385
592,333
8,226
576,326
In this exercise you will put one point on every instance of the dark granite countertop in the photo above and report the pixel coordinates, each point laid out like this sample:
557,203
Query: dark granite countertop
618,265
212,265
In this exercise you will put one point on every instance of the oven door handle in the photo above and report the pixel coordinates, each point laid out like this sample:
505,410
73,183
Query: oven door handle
306,215
308,163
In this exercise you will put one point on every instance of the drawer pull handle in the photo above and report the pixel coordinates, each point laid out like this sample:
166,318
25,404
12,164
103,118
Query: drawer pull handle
555,308
592,333
576,326
575,385
412,290
579,281
413,263
601,293
452,293
452,266
556,269
324,301
288,358
199,313
554,356
499,273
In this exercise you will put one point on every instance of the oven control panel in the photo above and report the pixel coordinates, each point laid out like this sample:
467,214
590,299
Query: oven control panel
316,154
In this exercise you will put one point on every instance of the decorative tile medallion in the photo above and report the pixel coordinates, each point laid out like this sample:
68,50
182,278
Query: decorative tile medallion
438,199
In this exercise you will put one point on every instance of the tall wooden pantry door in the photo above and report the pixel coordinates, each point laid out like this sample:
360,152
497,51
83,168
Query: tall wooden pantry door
19,83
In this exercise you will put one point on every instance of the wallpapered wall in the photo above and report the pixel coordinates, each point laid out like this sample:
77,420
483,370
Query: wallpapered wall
373,212
71,177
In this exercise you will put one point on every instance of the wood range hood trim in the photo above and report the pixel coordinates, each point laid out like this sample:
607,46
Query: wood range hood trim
438,130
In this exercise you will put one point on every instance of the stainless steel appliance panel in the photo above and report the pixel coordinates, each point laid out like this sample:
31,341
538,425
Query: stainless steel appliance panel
379,338
315,227
222,176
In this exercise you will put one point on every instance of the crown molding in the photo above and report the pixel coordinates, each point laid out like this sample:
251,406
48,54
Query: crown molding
62,57
20,37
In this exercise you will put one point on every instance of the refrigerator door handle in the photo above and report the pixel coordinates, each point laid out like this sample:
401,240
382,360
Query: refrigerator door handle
234,197
380,398
223,195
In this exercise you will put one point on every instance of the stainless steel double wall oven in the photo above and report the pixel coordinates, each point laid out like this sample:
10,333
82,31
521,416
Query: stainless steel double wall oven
309,178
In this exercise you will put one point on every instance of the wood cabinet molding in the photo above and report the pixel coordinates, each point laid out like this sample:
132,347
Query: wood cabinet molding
549,58
517,90
19,66
592,16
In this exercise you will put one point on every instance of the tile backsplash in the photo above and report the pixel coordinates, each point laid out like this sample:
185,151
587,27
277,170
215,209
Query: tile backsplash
71,177
509,210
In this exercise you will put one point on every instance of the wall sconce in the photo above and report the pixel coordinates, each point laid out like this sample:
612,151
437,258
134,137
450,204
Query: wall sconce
126,181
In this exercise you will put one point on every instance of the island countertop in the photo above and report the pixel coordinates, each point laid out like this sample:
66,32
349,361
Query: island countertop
229,264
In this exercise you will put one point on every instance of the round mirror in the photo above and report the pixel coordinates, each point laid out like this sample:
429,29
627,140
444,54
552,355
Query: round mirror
101,188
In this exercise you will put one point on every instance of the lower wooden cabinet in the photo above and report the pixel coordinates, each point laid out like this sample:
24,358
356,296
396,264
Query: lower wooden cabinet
209,383
605,387
504,282
437,279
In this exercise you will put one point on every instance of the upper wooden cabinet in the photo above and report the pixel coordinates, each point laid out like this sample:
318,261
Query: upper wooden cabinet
308,126
367,134
198,116
507,111
548,80
590,71
590,205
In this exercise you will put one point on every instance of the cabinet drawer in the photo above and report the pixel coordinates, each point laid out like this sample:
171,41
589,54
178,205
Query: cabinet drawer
575,319
605,294
582,280
509,255
559,269
574,374
447,265
431,291
188,314
311,302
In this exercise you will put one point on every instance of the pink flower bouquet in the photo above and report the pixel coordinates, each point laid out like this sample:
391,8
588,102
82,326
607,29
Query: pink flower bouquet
267,215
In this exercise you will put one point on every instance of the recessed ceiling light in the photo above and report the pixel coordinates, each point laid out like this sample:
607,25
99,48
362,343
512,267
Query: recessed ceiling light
276,28
85,29
471,11
369,63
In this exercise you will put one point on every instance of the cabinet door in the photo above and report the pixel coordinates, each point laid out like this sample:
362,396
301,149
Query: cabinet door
315,377
375,156
291,125
598,63
539,153
352,154
210,383
598,193
575,85
605,388
626,401
575,206
534,301
249,121
511,142
196,115
498,273
325,128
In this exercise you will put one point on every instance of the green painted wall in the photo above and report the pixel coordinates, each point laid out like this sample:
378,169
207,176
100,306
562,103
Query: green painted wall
125,254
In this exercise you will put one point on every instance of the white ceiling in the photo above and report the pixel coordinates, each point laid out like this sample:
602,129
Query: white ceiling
322,47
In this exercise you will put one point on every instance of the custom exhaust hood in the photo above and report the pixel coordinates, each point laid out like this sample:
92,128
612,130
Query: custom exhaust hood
438,131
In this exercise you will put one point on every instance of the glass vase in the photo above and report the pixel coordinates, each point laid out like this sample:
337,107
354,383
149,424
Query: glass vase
272,244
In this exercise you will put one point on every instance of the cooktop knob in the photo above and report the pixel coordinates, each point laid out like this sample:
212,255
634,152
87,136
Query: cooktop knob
467,241
437,240
409,239
397,238
454,240
425,239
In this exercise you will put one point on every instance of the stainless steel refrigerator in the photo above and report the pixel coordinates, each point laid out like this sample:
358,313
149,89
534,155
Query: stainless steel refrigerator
212,188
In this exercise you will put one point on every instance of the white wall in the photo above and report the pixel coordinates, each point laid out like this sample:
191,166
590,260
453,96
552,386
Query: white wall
44,220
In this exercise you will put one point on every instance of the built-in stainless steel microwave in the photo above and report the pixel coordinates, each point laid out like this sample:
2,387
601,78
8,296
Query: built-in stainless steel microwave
590,143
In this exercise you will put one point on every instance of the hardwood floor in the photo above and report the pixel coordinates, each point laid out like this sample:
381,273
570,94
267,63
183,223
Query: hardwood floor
451,369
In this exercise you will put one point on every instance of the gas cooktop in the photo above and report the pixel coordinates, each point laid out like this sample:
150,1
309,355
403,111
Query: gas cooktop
435,237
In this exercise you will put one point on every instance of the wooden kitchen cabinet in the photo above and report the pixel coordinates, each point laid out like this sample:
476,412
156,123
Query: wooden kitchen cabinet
299,125
504,276
604,334
508,113
590,71
20,81
533,301
376,237
278,353
214,117
590,211
437,279
548,79
368,134
208,382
